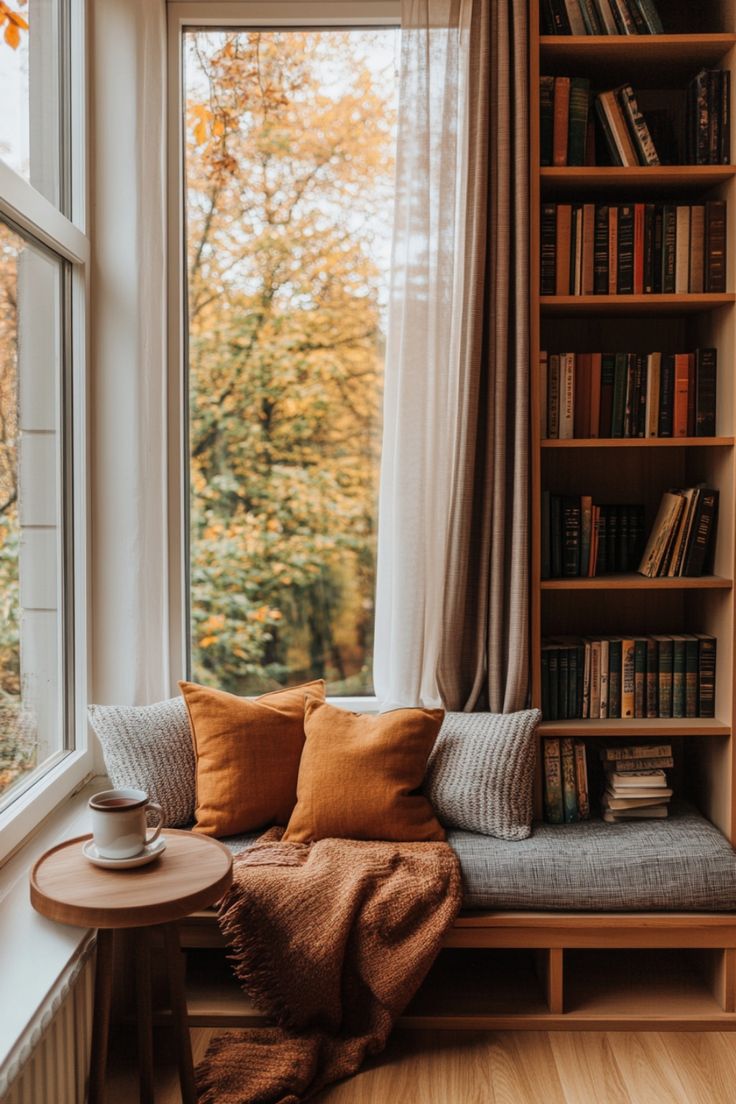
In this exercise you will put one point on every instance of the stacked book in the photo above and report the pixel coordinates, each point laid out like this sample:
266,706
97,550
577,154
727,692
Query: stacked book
600,17
566,796
628,394
598,678
707,137
636,783
580,538
683,535
633,248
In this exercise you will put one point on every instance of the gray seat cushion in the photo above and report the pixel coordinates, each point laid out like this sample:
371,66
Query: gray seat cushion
682,864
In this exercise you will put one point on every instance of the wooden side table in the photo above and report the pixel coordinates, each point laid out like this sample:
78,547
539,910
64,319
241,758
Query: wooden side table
193,872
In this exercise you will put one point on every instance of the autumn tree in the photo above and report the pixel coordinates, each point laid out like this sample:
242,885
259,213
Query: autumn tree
289,177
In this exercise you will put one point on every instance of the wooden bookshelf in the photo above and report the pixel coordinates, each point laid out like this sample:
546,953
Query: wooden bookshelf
642,468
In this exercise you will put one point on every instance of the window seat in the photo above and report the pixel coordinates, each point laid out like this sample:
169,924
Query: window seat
680,864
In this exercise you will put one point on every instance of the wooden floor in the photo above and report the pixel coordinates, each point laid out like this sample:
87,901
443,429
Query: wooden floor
503,1068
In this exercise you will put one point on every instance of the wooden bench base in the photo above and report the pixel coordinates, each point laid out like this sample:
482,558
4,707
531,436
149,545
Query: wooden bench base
534,971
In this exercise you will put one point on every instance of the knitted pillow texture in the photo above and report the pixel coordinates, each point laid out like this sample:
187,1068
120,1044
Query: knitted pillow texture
481,771
149,747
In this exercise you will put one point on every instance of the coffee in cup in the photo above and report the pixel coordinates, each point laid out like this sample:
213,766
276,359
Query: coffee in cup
119,823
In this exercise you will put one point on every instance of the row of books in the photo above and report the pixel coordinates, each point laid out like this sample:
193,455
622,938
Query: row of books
580,538
636,782
708,118
566,795
628,394
595,678
600,17
633,248
682,539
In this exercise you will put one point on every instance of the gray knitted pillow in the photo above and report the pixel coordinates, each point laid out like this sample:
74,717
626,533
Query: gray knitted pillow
481,771
149,747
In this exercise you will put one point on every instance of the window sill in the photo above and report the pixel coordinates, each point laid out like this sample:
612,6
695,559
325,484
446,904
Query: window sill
36,952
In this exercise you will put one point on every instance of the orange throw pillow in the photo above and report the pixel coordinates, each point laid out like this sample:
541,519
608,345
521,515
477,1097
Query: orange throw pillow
360,775
247,753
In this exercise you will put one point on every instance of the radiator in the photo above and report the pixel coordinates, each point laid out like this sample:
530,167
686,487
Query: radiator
49,1064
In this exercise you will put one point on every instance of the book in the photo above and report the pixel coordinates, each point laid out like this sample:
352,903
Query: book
554,810
706,365
680,398
615,130
566,426
605,671
581,779
627,678
546,118
578,105
664,668
682,249
667,517
703,530
634,766
569,785
650,16
715,246
706,675
548,233
562,248
638,129
615,753
560,120
633,780
555,17
678,676
652,680
575,17
600,251
625,280
571,536
614,676
652,398
656,811
697,249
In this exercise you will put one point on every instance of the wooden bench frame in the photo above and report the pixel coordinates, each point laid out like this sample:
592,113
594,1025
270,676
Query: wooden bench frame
656,1005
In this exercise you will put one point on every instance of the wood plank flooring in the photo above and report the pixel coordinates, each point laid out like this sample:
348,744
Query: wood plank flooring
500,1068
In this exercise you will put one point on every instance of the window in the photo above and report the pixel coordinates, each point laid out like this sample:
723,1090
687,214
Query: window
43,262
289,139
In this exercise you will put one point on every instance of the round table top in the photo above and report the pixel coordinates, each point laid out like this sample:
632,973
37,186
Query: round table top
193,872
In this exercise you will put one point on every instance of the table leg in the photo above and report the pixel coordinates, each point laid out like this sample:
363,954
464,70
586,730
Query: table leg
144,1013
101,1017
175,969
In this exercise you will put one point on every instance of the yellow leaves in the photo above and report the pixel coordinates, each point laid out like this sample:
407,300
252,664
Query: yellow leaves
14,24
207,641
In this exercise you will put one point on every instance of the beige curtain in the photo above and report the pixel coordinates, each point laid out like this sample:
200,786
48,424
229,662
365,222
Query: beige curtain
452,608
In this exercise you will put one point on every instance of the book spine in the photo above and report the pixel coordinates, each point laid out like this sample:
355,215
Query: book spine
585,713
697,248
553,390
724,149
554,683
562,249
682,250
650,15
569,788
625,282
595,679
560,120
581,778
691,676
555,514
706,675
714,111
703,530
546,118
701,109
595,393
571,537
627,678
606,16
586,518
678,677
651,415
691,394
572,682
553,806
579,101
706,372
608,373
555,17
640,677
682,378
600,263
657,258
543,393
664,694
605,673
652,678
588,236
548,235
635,766
649,225
636,751
666,395
612,250
575,17
638,129
715,246
618,411
638,249
614,678
669,241
593,24
567,396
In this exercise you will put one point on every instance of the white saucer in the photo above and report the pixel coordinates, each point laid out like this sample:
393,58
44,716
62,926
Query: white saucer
147,855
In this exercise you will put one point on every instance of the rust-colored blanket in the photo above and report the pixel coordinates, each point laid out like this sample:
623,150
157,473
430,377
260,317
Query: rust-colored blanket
331,940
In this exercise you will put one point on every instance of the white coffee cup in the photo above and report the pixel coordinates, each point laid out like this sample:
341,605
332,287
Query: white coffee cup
119,824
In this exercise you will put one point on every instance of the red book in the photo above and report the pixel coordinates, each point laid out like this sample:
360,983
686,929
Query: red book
595,394
582,395
691,394
682,386
639,248
560,123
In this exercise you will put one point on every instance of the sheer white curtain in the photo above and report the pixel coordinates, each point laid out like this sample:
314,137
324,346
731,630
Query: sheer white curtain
422,361
129,552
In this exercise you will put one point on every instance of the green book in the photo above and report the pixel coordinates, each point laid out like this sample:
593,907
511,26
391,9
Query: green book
546,118
706,675
664,675
614,677
578,120
572,682
621,371
678,676
691,675
652,678
640,675
569,786
554,811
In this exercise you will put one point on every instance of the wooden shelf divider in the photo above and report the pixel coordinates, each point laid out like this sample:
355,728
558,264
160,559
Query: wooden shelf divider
637,582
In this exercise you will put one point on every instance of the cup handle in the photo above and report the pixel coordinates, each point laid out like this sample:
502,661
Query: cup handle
160,814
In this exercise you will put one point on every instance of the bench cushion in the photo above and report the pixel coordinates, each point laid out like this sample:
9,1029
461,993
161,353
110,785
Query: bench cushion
682,864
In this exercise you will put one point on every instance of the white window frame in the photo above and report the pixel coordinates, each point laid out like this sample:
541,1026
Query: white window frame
220,14
35,216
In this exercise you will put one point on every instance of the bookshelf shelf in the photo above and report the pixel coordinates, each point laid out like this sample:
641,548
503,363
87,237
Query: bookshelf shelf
652,727
634,304
568,179
637,582
643,57
636,442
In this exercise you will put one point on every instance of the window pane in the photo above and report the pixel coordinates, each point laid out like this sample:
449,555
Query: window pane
290,140
30,44
31,725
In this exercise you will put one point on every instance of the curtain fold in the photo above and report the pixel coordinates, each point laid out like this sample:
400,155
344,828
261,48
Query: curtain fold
452,608
129,530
